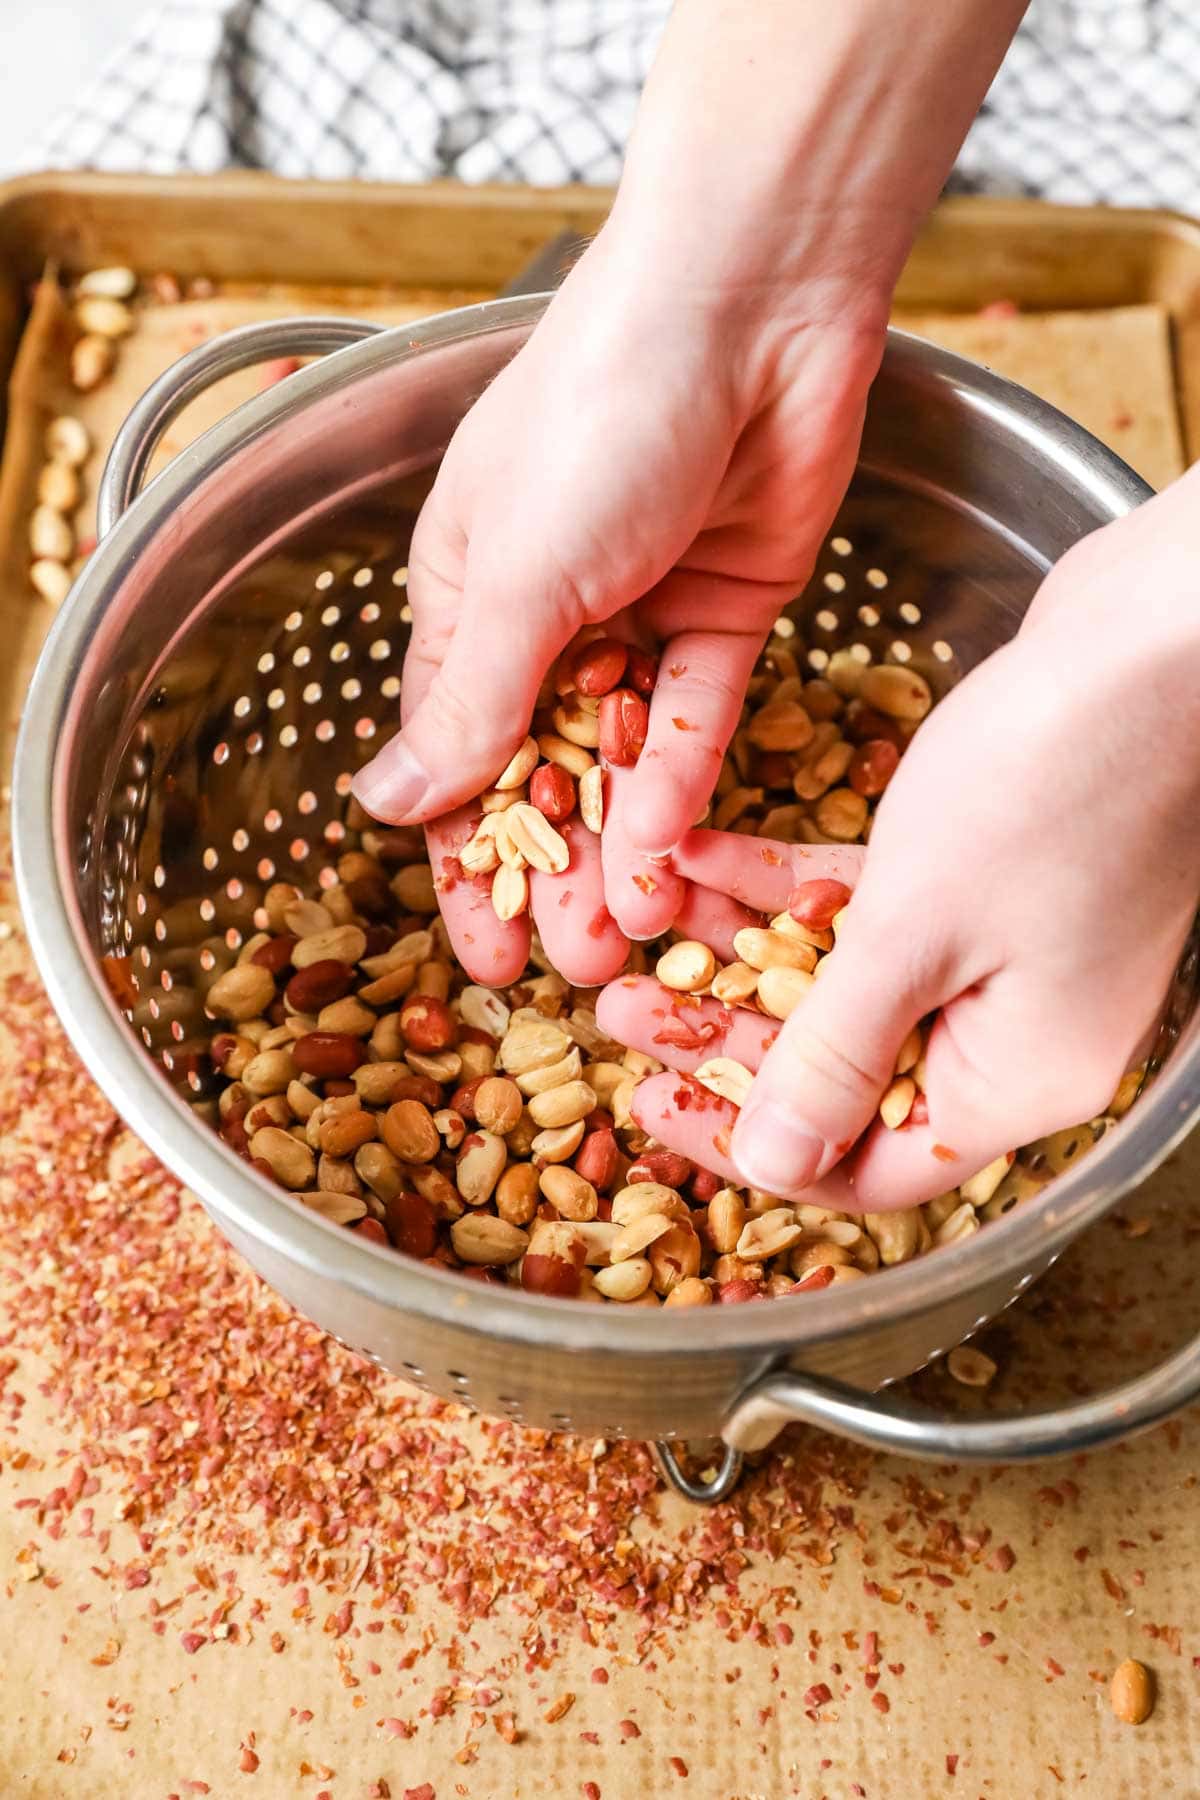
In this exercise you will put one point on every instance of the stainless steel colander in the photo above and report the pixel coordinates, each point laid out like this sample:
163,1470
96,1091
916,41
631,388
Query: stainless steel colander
232,653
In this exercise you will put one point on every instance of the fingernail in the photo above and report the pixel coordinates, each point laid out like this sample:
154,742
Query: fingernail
393,784
774,1150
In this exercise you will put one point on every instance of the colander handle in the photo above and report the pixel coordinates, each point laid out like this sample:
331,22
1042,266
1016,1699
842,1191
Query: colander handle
888,1424
163,401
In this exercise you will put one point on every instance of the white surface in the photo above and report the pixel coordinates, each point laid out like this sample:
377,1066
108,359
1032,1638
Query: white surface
49,51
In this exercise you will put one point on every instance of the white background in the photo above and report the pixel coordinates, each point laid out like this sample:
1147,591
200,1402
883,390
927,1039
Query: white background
49,51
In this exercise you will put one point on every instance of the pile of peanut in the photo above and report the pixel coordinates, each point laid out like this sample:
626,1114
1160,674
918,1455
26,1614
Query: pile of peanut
593,711
492,1132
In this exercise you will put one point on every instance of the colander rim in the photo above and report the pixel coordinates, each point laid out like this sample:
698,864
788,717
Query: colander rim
236,1194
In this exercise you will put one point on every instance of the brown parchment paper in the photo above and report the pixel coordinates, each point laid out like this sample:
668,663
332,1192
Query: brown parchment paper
994,1684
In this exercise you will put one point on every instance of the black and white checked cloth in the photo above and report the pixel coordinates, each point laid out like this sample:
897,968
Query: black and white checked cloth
1097,99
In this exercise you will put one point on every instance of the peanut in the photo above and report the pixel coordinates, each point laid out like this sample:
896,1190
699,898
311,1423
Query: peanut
764,949
686,967
624,1281
50,580
1131,1693
899,692
591,797
482,1238
569,1193
737,982
520,767
336,943
68,441
599,666
623,723
510,892
243,992
897,1102
781,725
534,836
726,1077
292,1164
481,1161
560,1106
781,989
92,358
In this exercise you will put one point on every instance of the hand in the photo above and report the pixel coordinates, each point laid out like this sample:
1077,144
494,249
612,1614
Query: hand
669,473
1032,875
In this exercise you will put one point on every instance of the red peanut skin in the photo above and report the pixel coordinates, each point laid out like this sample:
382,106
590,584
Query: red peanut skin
665,1166
874,764
427,1023
624,722
327,1053
598,1159
817,903
320,984
599,667
641,672
276,955
552,791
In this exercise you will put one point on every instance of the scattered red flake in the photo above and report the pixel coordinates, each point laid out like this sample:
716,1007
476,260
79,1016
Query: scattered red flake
684,725
1002,1559
590,1791
678,1767
646,883
1056,1669
944,1153
881,1703
559,1709
424,1792
600,1676
628,1729
952,1763
818,1695
770,857
1112,1586
599,922
192,1641
247,1761
690,1034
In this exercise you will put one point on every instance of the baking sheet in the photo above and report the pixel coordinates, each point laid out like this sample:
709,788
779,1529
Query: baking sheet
1000,1601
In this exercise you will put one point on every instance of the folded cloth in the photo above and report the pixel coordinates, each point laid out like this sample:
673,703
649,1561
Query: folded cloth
1097,99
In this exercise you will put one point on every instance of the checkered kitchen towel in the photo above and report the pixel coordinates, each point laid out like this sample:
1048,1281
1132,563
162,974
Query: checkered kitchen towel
1097,100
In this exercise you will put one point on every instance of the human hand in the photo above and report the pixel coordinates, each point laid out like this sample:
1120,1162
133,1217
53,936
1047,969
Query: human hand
1032,875
669,475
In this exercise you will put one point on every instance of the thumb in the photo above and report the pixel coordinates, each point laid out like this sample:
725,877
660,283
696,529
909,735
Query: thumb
471,717
819,1085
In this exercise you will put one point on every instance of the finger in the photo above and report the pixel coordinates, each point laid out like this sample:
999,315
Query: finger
579,934
820,1085
493,951
472,715
694,711
684,1116
643,896
713,919
759,872
679,1030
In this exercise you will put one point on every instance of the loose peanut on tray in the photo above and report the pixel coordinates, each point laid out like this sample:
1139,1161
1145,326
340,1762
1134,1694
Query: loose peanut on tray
493,1131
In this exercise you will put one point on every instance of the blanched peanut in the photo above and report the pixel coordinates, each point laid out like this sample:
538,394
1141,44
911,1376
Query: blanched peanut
724,1076
735,983
780,989
896,1235
691,1291
498,1104
516,1193
481,1161
625,1280
899,692
764,949
483,1239
841,814
510,892
517,771
897,1102
242,992
726,1217
569,1193
563,1105
290,1162
769,1234
686,967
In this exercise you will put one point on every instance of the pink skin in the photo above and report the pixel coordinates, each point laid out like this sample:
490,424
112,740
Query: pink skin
746,456
673,441
1054,798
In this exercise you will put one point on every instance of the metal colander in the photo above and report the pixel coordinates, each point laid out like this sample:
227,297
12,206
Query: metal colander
230,656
